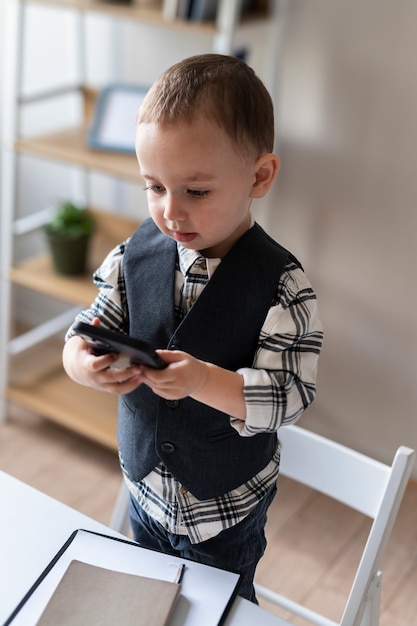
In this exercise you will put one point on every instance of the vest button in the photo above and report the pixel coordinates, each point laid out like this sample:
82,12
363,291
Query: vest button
172,404
168,447
183,490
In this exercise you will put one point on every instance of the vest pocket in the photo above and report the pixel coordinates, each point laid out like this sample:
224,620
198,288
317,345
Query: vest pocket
129,410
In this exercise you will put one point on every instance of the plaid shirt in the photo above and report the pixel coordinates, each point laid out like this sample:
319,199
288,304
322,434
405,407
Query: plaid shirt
277,389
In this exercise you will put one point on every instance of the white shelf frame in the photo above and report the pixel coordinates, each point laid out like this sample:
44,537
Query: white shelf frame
223,41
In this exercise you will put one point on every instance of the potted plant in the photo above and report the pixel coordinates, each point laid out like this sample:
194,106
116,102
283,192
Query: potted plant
68,235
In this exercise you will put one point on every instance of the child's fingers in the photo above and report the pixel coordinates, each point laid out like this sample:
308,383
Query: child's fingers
172,356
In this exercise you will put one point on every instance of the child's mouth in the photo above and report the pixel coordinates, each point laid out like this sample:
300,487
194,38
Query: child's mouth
183,237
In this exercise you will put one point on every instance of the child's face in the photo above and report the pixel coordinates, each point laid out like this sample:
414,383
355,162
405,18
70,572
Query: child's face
199,187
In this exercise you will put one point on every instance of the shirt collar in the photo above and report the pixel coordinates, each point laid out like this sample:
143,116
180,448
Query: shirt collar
187,257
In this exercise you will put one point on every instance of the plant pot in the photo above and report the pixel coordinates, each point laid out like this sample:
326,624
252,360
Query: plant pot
69,255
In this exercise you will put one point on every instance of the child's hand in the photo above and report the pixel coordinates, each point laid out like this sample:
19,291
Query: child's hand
184,376
187,376
96,371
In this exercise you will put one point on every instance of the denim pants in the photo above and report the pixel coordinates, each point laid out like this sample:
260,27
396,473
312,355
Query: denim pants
237,549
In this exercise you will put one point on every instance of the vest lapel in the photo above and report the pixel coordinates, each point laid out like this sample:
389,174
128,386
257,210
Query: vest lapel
150,282
224,324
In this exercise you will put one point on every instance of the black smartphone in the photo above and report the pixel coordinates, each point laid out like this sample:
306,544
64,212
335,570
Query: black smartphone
103,341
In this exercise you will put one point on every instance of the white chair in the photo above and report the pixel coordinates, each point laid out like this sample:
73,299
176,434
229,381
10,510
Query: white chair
363,484
120,516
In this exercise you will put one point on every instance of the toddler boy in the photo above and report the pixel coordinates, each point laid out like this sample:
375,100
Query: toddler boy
232,312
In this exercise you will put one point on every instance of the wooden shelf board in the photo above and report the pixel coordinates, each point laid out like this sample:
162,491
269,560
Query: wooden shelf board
71,146
42,386
38,274
81,409
145,13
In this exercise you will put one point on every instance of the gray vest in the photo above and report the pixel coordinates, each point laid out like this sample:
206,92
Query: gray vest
195,442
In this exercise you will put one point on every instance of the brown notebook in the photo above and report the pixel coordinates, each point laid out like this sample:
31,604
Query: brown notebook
95,596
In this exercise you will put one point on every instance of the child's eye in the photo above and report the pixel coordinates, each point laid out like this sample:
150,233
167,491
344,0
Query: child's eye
154,188
197,193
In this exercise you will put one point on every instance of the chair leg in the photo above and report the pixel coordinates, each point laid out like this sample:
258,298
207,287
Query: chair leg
120,516
371,616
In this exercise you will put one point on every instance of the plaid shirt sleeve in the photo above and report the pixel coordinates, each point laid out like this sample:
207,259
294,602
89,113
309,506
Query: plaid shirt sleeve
110,303
281,383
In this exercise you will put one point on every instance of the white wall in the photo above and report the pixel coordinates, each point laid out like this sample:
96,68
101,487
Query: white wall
2,30
344,201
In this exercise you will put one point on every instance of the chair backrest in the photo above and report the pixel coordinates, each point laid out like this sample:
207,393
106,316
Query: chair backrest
364,484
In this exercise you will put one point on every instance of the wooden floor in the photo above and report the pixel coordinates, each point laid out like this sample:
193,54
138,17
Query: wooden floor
315,567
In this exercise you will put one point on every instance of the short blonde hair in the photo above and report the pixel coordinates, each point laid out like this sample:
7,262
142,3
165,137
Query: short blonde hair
222,88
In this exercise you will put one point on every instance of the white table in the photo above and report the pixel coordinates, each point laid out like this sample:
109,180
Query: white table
34,526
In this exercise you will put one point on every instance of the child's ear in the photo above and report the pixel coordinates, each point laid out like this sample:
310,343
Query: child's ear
266,169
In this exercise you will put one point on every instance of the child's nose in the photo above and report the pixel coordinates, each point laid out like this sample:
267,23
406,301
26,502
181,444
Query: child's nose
173,209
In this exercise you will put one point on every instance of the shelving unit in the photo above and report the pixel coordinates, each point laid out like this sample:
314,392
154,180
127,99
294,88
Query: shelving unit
31,372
